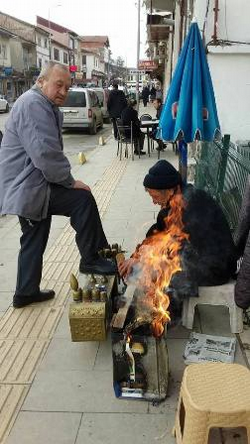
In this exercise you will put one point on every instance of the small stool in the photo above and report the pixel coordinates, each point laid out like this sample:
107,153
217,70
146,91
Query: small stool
212,395
218,295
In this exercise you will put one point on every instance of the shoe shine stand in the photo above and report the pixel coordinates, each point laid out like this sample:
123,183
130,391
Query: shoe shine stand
92,307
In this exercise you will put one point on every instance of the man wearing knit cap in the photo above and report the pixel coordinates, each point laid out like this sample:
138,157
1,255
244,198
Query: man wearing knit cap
208,257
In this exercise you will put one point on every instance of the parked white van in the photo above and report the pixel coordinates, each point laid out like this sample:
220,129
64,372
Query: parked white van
82,110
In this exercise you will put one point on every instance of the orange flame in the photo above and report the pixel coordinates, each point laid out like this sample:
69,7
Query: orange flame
158,260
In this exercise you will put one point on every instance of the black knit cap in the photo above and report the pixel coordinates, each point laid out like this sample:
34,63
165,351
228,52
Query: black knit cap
162,176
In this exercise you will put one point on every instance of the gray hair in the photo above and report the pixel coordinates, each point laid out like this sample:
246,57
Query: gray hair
48,67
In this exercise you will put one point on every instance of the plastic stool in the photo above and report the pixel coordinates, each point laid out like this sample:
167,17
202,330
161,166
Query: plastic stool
212,395
218,295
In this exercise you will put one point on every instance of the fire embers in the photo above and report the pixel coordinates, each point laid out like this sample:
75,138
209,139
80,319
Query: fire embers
158,259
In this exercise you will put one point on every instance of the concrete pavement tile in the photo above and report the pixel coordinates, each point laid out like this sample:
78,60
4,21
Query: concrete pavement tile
59,222
103,361
125,428
63,329
178,332
215,320
64,355
78,391
112,227
7,255
5,300
42,427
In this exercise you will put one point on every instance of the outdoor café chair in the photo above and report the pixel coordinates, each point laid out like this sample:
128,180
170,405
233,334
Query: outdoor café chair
125,137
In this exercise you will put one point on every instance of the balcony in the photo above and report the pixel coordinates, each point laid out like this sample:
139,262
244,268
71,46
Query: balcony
162,5
158,27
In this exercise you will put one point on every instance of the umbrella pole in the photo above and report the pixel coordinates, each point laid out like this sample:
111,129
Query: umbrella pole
182,145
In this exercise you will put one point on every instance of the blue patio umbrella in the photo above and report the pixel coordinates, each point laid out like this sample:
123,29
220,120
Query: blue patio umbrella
189,112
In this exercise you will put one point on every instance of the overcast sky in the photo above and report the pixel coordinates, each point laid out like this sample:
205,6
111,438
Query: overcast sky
115,18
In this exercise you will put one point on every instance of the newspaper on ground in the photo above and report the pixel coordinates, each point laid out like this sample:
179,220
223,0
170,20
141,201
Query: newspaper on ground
207,348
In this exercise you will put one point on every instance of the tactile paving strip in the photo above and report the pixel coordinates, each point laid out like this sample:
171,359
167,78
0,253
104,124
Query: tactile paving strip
26,333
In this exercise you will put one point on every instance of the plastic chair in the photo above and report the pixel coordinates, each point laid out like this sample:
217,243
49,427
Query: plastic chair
218,295
212,395
125,136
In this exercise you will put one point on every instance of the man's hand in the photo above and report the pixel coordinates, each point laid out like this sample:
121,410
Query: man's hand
125,267
81,186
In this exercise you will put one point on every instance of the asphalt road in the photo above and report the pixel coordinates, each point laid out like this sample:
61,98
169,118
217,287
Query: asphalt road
74,140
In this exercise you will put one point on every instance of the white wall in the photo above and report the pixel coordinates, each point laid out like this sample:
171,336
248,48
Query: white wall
229,65
90,65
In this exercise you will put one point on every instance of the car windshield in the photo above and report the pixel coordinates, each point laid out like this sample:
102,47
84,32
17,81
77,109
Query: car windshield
76,99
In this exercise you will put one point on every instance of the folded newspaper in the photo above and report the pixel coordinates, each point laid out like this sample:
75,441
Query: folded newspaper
207,348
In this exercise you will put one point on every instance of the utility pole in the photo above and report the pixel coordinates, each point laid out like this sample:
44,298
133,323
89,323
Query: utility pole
138,53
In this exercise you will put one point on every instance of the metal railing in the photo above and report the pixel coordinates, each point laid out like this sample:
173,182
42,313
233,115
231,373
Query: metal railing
222,168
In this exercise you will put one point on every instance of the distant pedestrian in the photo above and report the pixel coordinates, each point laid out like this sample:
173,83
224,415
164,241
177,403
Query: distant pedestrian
116,103
159,93
152,93
145,95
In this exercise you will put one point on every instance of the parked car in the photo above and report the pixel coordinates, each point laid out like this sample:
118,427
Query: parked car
4,106
102,95
82,110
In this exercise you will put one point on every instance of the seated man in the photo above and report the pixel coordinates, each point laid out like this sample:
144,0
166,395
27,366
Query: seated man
158,105
207,251
129,114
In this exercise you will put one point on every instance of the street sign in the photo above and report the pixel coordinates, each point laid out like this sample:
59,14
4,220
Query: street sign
147,65
135,71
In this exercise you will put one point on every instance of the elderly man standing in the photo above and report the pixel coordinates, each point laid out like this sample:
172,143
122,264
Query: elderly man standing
36,183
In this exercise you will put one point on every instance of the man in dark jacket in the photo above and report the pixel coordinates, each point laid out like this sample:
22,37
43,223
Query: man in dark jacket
145,95
208,255
130,115
36,183
116,103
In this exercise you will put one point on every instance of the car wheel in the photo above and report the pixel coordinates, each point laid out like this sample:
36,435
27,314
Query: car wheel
101,124
93,128
7,108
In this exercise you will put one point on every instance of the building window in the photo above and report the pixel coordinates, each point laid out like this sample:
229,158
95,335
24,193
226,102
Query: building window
40,63
39,40
45,43
72,43
56,54
3,52
65,57
84,59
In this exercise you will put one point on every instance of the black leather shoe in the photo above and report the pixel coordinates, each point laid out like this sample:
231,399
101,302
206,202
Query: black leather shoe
20,301
141,153
98,266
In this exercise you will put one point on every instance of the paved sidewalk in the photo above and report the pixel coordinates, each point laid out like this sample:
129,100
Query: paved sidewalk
54,391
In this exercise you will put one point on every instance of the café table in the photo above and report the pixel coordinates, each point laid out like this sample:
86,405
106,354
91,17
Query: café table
149,124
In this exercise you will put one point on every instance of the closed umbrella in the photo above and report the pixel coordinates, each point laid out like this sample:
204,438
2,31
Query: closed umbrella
189,112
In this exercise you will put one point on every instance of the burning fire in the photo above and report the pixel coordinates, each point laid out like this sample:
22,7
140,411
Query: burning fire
158,260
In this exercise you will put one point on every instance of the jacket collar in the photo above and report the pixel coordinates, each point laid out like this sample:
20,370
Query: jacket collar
39,91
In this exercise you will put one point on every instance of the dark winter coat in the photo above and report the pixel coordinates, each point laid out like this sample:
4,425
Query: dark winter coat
129,115
209,257
242,241
116,103
145,94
